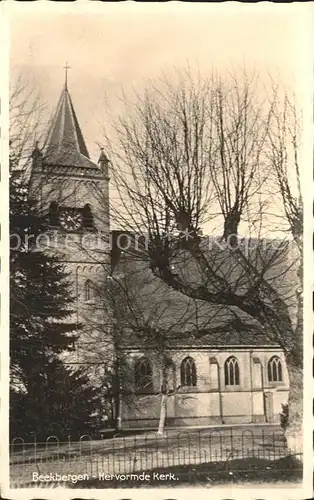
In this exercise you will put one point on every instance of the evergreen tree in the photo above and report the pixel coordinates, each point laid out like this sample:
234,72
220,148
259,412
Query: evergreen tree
46,396
62,403
41,326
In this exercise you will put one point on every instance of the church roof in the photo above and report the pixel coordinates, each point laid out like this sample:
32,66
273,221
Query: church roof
65,145
185,321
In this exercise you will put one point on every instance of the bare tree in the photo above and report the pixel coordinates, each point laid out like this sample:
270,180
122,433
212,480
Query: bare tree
145,316
26,119
285,139
195,153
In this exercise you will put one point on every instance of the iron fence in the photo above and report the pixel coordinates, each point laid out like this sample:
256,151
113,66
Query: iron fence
130,454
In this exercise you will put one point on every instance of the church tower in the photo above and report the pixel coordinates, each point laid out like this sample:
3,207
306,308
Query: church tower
72,191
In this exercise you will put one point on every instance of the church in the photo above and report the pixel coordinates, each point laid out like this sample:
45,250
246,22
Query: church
218,379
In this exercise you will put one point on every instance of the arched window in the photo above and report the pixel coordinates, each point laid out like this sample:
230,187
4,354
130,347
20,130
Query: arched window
87,215
232,372
143,374
188,372
214,373
274,369
89,291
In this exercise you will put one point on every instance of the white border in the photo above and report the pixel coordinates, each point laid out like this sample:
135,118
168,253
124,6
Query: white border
240,492
4,250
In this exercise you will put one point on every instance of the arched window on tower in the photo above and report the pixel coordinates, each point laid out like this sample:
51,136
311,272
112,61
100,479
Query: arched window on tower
232,372
188,372
143,374
89,291
88,220
274,369
53,213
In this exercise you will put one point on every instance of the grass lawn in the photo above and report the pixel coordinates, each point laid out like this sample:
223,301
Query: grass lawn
286,470
202,456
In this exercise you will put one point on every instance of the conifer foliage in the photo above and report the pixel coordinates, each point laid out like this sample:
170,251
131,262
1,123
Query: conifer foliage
40,299
46,395
61,402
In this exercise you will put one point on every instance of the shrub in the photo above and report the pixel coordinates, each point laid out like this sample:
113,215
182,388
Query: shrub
284,416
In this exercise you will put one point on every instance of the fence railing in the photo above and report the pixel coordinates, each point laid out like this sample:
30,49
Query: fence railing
127,454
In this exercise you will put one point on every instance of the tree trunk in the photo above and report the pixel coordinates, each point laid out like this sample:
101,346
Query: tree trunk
231,225
117,396
117,423
294,431
163,411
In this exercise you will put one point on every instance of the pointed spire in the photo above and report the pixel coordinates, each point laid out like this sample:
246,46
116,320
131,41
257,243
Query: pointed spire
103,161
66,67
36,151
36,154
65,145
103,158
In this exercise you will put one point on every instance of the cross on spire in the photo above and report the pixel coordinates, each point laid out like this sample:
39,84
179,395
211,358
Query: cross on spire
66,67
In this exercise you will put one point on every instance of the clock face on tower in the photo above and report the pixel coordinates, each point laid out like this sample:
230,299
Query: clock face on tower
70,219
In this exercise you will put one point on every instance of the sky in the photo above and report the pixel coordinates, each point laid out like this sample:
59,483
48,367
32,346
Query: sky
110,46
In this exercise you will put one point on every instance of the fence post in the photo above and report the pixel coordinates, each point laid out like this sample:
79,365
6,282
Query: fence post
199,458
231,440
134,459
35,450
69,446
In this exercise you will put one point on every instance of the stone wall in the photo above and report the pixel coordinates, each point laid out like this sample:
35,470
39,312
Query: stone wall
86,254
211,401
